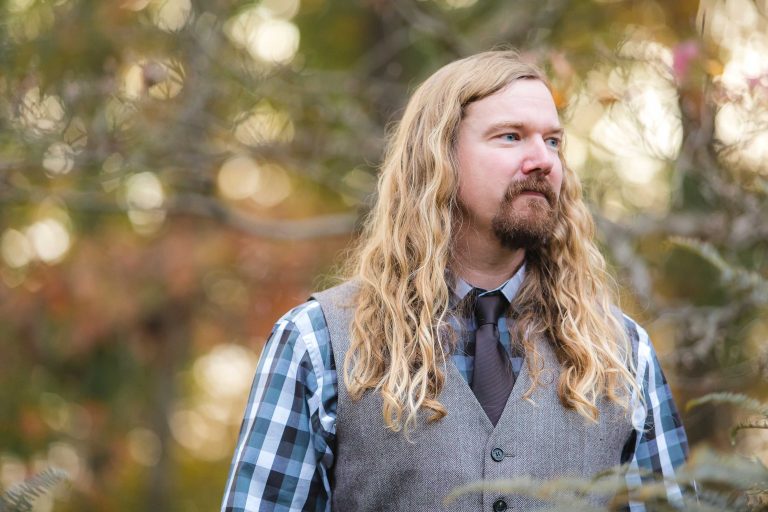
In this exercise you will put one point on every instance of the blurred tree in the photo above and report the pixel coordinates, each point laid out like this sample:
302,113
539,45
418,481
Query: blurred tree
176,173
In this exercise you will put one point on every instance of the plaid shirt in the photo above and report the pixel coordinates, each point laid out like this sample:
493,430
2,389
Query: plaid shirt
286,446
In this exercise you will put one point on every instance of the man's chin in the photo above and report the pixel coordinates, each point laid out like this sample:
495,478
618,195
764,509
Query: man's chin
527,229
534,210
531,203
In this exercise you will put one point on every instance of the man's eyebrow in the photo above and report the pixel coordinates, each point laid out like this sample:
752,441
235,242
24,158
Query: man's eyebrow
510,125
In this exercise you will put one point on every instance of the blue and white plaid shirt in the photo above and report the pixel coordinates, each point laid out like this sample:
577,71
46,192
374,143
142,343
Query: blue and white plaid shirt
286,446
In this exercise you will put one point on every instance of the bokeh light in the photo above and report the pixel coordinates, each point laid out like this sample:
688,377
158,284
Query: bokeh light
223,375
238,177
264,125
13,470
144,191
16,249
27,19
161,79
171,15
225,371
199,434
119,114
41,113
18,6
266,184
144,198
49,239
59,159
144,446
274,185
134,5
741,123
458,4
274,41
748,61
285,9
65,456
628,119
265,33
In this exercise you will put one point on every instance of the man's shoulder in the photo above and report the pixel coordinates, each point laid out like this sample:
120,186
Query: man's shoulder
338,290
304,318
311,319
305,331
341,294
634,329
637,336
643,351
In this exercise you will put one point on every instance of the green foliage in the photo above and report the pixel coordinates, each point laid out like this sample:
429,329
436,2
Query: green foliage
725,483
21,497
736,399
741,401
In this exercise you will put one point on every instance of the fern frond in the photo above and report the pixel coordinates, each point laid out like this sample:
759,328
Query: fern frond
758,424
715,500
566,494
724,471
21,497
736,399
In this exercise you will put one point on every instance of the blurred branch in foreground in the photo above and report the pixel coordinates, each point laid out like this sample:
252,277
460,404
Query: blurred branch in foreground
21,497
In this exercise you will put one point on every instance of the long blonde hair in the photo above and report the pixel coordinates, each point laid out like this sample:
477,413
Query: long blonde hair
400,327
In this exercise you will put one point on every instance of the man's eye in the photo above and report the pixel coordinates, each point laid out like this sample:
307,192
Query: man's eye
510,136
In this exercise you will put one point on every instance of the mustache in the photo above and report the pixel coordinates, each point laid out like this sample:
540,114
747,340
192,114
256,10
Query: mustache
532,184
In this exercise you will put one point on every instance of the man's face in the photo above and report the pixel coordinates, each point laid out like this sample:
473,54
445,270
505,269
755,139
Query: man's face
510,173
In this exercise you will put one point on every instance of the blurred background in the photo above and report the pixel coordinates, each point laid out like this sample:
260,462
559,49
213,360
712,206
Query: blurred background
176,174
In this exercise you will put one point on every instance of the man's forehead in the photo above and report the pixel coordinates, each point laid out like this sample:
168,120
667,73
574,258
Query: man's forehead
519,103
489,120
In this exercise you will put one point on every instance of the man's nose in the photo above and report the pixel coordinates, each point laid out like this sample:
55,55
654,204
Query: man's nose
538,157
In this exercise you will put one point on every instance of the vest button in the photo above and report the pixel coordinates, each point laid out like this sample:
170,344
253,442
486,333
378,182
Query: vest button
499,505
497,454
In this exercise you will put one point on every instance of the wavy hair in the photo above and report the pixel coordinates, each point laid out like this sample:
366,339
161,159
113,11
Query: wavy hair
400,334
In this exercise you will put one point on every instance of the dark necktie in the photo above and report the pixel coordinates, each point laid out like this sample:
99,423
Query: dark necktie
492,379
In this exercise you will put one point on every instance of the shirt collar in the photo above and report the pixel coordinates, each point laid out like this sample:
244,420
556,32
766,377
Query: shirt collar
508,288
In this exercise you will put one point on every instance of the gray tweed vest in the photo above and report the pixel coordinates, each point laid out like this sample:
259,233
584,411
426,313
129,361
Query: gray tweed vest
379,470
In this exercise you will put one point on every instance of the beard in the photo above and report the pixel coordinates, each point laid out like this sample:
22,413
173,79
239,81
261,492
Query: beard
527,227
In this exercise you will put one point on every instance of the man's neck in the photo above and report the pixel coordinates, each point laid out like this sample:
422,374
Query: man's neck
483,262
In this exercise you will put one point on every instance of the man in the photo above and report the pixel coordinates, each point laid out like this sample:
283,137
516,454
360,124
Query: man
476,338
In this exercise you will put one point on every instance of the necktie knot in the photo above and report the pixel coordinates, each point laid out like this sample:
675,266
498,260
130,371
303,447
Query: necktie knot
489,308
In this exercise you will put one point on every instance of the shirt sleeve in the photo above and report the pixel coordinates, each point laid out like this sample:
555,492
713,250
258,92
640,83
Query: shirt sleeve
661,443
285,448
